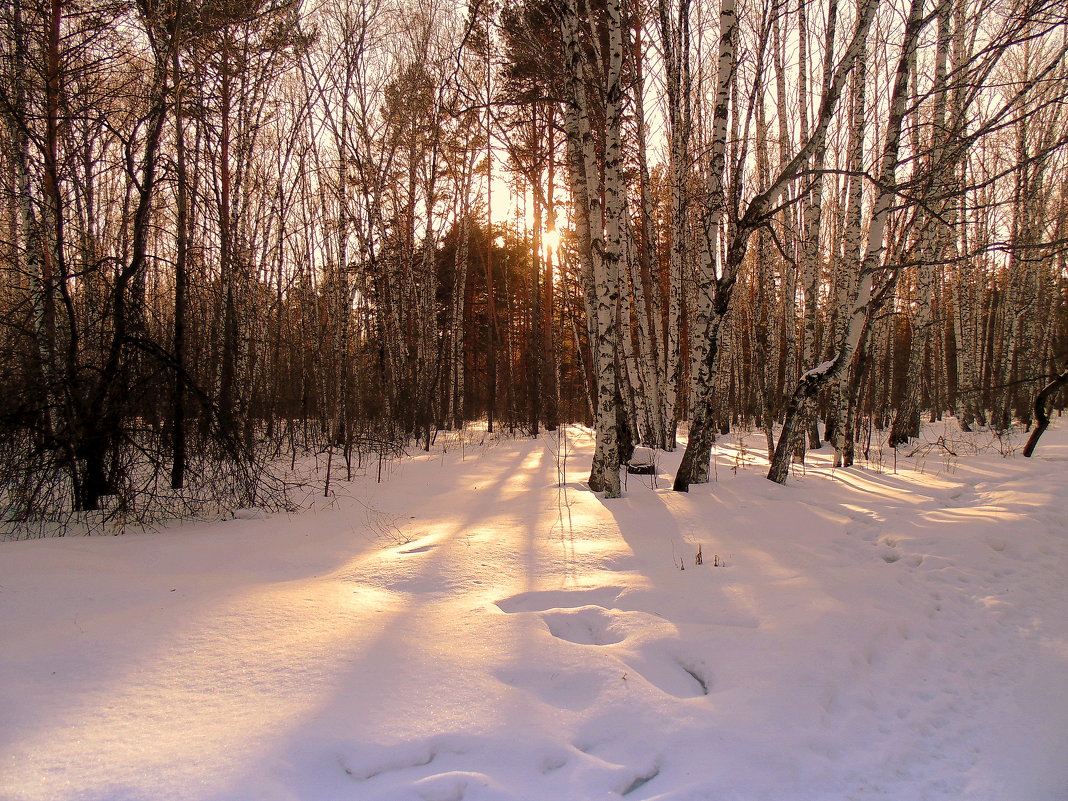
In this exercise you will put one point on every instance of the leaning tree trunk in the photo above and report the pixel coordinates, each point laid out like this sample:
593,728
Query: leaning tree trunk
698,449
1041,415
816,378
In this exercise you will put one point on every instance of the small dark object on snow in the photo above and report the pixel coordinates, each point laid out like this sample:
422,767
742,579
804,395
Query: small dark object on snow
642,462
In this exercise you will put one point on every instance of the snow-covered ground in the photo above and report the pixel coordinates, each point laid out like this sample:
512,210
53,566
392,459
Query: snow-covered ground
472,629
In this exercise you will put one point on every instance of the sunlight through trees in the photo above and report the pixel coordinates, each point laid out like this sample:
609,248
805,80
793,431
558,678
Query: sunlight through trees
234,232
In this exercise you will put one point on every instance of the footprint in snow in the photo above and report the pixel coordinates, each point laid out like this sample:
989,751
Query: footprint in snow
911,559
551,763
558,688
587,625
640,781
543,600
625,778
451,786
677,675
411,756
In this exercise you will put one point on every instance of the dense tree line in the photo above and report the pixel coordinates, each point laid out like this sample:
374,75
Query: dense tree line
233,232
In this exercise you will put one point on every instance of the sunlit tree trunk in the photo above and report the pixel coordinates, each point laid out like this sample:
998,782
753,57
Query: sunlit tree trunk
648,378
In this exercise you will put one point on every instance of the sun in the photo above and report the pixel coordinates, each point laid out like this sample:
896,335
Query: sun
550,240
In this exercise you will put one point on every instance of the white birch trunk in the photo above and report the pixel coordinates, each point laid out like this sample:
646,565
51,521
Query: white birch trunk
645,376
712,218
455,392
812,207
698,448
645,380
675,44
845,283
603,223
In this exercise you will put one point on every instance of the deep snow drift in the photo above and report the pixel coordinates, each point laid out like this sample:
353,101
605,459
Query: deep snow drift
473,629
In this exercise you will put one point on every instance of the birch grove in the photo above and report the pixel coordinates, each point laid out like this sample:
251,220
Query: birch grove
237,236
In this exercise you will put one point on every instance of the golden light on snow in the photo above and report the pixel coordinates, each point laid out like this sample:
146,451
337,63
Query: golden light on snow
215,692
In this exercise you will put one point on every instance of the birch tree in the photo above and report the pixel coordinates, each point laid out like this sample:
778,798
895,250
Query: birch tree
675,42
599,223
859,317
694,466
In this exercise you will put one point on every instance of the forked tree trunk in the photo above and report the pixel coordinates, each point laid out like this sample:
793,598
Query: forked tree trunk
713,292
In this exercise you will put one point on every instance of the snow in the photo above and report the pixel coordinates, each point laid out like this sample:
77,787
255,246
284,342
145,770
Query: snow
642,456
479,627
819,369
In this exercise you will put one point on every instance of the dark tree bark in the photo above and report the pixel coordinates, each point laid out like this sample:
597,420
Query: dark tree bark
1041,415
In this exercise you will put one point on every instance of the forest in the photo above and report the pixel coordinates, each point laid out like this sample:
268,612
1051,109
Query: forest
234,233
